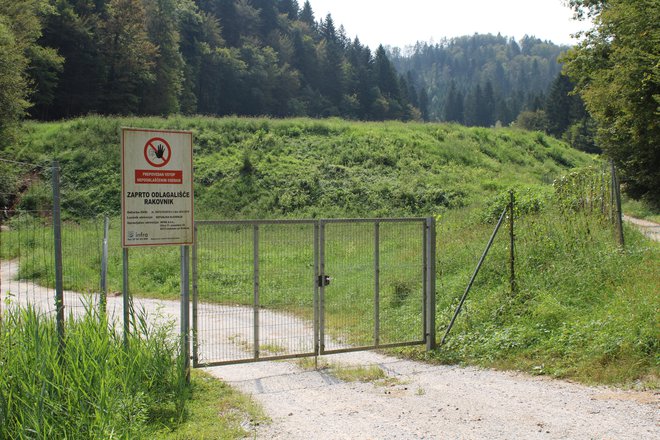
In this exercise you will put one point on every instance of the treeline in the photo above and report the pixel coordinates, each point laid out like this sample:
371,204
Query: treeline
486,80
216,57
481,79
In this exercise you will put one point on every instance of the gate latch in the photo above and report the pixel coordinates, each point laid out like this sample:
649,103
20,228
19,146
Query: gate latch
324,280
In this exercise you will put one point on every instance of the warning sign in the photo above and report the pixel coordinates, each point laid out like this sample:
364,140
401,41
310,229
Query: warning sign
157,188
157,152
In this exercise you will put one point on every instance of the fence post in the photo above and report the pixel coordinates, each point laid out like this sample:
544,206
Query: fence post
512,256
185,312
1,217
616,194
195,299
125,294
57,235
104,267
255,291
430,284
474,276
376,283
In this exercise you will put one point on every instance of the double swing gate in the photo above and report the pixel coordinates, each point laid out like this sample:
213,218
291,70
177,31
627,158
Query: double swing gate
276,289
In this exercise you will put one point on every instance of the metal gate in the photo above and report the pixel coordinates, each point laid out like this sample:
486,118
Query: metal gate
277,289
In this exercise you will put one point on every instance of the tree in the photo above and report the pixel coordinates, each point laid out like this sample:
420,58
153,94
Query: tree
386,75
74,30
288,7
130,56
13,87
558,105
162,96
332,84
24,64
616,68
424,104
454,105
307,15
532,120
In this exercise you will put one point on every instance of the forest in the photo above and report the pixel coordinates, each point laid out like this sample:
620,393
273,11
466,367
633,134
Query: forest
62,59
262,57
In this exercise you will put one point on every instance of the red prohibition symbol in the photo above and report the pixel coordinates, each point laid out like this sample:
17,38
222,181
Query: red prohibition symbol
157,152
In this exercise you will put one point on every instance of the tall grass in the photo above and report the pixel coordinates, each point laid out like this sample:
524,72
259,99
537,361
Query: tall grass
584,308
95,388
257,167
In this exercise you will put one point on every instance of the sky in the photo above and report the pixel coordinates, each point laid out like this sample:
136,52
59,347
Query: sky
403,22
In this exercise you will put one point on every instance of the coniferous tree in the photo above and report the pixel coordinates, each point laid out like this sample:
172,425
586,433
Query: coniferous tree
130,56
288,7
386,75
162,96
74,30
332,80
454,105
217,57
307,15
471,107
486,109
424,104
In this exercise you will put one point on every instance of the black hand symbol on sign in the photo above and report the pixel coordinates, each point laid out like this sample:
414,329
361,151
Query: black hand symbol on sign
160,151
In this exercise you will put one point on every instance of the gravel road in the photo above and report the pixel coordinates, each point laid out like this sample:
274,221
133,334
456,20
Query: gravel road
648,228
420,402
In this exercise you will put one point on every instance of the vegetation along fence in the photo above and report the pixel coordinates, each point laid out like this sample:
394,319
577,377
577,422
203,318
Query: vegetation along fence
262,285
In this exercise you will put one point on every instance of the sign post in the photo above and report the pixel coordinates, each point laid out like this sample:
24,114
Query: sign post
157,206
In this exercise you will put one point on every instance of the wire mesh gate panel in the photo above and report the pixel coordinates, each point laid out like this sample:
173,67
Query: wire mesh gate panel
278,289
377,292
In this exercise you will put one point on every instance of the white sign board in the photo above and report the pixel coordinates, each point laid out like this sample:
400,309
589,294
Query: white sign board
157,187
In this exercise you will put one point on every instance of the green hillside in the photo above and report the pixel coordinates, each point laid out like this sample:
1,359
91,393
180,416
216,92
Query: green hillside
307,168
583,308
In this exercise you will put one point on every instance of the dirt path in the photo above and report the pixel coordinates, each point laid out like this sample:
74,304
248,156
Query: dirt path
422,402
650,229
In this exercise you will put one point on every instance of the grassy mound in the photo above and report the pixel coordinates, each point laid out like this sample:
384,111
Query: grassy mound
305,168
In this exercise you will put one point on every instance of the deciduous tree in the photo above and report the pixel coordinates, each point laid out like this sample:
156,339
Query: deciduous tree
616,68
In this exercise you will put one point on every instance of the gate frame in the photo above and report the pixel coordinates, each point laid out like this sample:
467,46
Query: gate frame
428,289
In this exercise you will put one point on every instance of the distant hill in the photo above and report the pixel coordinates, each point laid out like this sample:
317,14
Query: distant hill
481,79
246,167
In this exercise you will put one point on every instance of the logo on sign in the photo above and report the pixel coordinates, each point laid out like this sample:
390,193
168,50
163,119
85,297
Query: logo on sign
157,152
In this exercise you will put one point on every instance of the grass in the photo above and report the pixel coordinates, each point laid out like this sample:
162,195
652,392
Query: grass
345,372
94,388
225,255
583,310
215,411
98,388
257,167
640,209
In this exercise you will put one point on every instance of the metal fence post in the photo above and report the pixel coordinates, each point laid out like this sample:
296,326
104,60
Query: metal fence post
57,234
376,284
0,270
474,276
512,256
195,299
255,299
616,194
316,290
321,287
125,294
104,266
185,312
430,284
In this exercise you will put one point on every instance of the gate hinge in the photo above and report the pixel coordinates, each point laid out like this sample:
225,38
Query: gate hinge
324,280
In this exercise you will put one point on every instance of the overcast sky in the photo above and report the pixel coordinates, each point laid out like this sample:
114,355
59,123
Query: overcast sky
404,22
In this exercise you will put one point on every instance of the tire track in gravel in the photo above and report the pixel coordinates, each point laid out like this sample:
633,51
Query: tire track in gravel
421,402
